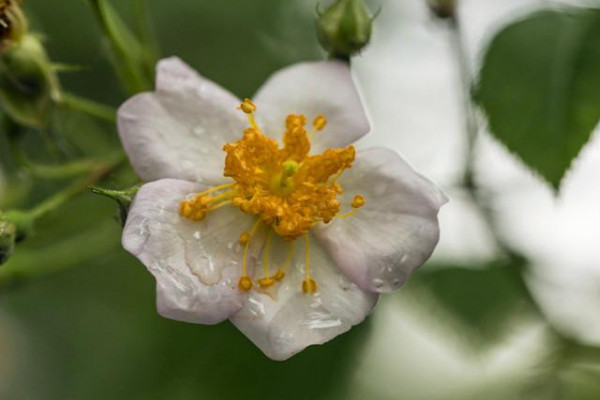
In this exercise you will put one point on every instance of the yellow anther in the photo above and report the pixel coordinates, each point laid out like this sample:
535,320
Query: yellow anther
309,286
193,209
358,201
248,106
266,282
279,275
320,122
245,238
245,283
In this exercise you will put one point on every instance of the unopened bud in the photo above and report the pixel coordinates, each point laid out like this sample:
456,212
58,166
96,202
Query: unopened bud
345,28
443,8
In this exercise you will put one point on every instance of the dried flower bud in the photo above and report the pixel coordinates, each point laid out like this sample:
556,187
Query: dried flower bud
13,24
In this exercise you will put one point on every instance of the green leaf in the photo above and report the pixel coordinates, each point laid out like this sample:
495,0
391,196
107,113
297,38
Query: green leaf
540,88
483,302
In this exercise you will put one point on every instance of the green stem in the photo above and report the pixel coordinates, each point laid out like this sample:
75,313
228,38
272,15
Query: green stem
61,171
74,189
89,107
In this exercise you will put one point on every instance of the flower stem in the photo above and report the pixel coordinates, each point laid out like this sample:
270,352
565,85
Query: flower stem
60,198
89,107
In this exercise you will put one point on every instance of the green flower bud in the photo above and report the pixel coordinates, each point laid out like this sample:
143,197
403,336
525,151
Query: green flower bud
8,238
28,82
443,8
345,28
13,24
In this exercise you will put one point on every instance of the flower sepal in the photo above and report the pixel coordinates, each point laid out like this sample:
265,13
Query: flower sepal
124,198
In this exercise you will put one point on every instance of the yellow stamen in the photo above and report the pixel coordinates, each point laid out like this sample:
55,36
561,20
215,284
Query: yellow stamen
308,285
243,283
358,201
320,122
244,238
318,125
247,106
267,280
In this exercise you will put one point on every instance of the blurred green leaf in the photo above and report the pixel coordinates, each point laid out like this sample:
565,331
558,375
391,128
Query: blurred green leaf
483,301
540,87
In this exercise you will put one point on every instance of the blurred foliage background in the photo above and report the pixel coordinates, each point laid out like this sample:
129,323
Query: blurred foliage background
91,332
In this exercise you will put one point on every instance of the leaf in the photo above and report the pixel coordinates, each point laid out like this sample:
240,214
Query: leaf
540,88
484,302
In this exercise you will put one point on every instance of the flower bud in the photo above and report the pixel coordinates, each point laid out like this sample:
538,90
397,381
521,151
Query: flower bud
443,8
13,24
28,82
345,28
8,238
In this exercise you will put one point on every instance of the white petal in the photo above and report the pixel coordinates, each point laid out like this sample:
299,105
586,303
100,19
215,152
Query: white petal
196,264
287,324
179,130
311,89
394,232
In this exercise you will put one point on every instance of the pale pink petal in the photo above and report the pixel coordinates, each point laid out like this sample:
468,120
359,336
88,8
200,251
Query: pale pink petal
314,88
179,130
395,232
291,320
197,265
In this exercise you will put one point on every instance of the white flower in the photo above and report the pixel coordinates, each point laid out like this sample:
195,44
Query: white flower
293,248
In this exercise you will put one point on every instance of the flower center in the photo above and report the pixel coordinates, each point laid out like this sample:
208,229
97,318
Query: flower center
286,188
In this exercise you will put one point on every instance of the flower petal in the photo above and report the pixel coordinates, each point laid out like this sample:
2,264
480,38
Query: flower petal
394,232
311,89
197,265
179,130
290,321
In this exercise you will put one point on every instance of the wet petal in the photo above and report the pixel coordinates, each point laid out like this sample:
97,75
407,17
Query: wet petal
179,130
197,265
394,232
312,89
287,324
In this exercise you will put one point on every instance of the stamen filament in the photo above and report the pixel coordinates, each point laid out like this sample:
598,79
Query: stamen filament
216,189
348,214
267,250
222,204
245,282
308,285
307,257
